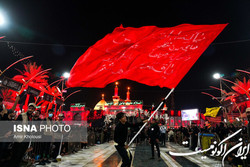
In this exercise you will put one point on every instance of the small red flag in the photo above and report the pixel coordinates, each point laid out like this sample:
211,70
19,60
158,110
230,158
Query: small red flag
149,55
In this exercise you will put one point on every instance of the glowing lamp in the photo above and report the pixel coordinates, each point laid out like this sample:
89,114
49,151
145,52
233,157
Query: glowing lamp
217,76
66,75
2,19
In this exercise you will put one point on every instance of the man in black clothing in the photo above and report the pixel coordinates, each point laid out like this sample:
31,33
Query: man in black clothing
20,148
120,137
194,136
154,135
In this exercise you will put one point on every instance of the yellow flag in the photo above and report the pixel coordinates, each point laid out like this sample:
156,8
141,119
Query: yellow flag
212,112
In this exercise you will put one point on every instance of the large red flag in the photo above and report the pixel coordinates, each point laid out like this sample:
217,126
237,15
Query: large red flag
149,55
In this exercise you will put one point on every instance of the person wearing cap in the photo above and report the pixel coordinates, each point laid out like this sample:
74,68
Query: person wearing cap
27,116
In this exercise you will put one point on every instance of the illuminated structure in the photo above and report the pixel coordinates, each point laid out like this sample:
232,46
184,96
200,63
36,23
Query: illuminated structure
128,96
80,107
130,107
116,98
101,104
74,109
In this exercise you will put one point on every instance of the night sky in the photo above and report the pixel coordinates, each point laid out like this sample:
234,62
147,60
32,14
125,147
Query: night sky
58,32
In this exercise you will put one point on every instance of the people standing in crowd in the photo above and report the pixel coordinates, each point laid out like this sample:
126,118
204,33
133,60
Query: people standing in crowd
194,136
154,135
221,130
91,136
171,135
48,137
21,147
185,136
64,149
163,130
108,132
248,124
75,133
4,111
6,115
57,137
37,146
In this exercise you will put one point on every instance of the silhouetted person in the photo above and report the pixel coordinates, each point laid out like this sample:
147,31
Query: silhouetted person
120,137
154,135
21,147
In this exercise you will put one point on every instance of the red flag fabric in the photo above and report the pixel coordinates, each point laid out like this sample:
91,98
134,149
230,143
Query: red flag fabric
149,55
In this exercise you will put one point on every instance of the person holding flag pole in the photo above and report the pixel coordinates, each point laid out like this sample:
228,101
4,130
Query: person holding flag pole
149,55
120,137
121,131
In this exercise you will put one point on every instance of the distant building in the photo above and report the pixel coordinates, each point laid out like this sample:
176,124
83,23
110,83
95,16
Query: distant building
101,104
130,107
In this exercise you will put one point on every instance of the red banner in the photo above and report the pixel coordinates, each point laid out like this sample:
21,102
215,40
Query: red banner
149,55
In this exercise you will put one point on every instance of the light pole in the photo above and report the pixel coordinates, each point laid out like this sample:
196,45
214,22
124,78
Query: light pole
218,76
65,76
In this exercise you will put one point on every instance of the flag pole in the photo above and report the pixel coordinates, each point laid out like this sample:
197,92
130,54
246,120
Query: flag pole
150,117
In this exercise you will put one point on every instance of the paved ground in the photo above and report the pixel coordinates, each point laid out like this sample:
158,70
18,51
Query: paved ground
142,156
105,155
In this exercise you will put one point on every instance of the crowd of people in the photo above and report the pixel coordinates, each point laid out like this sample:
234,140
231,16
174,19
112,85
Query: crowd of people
197,138
12,154
18,153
